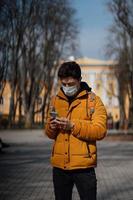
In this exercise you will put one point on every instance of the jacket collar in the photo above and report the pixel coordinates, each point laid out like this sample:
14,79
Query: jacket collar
62,95
76,101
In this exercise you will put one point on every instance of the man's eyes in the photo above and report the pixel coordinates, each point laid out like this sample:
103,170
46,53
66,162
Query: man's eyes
68,84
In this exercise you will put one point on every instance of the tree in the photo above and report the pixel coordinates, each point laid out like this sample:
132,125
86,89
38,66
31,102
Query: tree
3,51
41,32
120,45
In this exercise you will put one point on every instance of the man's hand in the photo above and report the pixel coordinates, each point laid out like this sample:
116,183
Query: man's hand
64,124
53,124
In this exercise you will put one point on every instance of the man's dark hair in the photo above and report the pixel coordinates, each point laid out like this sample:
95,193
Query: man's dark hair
69,69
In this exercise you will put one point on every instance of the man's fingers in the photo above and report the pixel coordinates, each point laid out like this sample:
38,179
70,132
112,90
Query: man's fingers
52,119
61,123
53,126
62,119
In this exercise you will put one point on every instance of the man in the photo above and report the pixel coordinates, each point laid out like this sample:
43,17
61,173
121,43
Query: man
81,121
3,145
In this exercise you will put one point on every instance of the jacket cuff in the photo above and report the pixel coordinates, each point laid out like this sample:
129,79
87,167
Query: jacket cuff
76,128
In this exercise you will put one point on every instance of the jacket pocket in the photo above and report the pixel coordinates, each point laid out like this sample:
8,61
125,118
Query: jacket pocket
53,149
88,149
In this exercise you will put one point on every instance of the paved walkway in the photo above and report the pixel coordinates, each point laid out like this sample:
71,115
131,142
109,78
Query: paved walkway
25,171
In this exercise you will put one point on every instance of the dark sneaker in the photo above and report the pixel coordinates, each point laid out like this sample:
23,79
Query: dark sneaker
5,145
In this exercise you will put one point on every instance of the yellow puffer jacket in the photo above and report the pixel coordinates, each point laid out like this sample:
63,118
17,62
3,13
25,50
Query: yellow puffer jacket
77,149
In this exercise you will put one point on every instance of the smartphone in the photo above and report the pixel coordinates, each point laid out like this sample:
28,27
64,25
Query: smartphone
53,114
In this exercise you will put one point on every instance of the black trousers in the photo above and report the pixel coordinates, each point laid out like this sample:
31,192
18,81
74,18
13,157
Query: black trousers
84,179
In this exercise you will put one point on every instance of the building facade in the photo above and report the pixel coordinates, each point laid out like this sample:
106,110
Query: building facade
99,76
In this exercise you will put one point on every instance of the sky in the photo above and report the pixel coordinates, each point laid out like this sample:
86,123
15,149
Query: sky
94,21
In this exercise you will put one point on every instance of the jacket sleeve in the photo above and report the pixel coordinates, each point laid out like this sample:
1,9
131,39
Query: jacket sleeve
48,131
96,128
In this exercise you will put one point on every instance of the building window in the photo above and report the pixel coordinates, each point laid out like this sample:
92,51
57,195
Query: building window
111,86
97,86
110,100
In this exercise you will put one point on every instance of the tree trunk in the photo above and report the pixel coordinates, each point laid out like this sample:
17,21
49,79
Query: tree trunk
130,121
11,109
20,110
122,117
28,120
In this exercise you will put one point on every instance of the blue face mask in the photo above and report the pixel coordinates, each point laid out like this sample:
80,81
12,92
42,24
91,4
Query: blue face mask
70,90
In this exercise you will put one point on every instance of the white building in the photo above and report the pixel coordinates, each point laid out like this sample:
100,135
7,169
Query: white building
99,76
